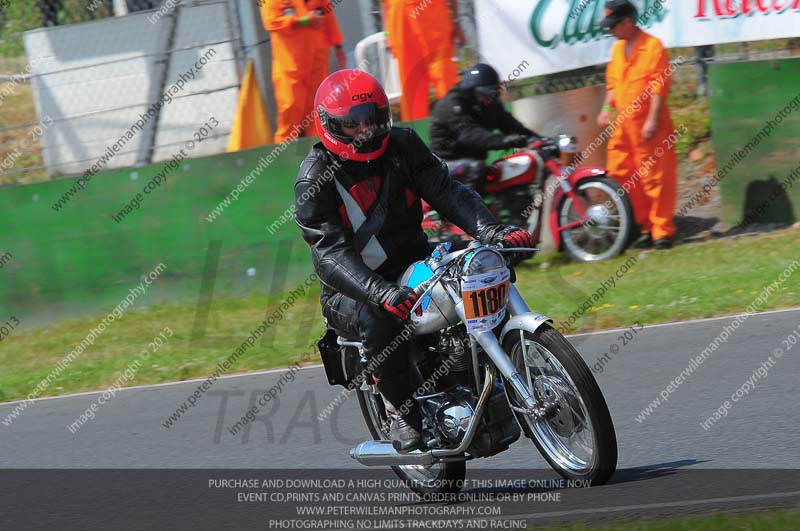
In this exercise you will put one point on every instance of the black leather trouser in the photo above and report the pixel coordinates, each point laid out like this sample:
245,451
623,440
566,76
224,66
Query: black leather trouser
356,320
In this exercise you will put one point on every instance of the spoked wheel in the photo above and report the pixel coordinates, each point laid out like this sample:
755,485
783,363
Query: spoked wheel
435,479
575,434
608,224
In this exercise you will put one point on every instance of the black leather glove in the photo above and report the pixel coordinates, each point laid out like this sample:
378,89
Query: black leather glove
511,236
515,141
399,301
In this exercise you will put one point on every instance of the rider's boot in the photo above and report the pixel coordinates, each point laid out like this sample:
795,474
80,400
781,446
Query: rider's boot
406,421
404,431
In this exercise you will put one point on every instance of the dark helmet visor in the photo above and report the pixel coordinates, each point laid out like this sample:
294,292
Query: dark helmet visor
488,92
365,121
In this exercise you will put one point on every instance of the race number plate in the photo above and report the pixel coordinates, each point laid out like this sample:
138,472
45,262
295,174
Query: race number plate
485,297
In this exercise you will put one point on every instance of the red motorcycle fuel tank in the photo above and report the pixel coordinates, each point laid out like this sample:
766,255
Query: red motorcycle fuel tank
517,169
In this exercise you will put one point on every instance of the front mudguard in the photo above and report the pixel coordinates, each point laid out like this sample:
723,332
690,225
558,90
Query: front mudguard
525,322
574,179
528,321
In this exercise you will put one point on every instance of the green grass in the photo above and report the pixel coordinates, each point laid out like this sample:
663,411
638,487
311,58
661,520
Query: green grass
699,280
695,116
29,357
18,17
686,108
17,108
773,520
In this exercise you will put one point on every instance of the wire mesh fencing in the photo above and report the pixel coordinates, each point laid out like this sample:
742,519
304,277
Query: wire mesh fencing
78,77
102,91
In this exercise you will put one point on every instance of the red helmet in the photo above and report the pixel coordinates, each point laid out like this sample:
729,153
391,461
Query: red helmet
353,117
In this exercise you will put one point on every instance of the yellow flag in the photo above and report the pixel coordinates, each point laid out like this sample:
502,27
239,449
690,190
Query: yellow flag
250,124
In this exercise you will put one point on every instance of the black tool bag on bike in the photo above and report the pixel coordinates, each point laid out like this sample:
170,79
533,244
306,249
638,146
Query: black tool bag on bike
341,363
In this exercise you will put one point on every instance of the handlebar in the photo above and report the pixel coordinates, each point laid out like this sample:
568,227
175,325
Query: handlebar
426,285
421,288
516,249
420,292
545,140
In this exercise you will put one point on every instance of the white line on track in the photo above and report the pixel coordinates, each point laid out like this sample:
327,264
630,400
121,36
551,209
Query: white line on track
690,321
272,371
684,503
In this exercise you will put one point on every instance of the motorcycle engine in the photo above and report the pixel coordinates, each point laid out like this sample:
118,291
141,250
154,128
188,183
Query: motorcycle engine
449,413
450,405
498,429
452,410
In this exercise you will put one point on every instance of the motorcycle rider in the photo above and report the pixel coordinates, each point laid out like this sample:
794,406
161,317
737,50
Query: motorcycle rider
470,121
357,202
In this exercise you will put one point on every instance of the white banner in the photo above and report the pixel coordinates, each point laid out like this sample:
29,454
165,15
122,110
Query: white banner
535,37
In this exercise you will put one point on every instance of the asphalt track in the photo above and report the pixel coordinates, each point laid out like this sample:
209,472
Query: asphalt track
669,464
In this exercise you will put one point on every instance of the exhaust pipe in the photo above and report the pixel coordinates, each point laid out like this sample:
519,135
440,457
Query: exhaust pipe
382,453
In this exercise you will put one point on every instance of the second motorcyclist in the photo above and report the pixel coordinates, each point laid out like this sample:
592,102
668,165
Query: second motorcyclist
470,121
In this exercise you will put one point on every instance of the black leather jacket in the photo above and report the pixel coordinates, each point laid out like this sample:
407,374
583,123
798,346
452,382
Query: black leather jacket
412,172
462,129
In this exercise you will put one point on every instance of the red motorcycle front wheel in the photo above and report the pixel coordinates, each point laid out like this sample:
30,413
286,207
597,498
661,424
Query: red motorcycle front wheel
608,223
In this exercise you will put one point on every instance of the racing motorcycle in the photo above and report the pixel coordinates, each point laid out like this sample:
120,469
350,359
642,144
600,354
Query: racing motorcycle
591,217
489,370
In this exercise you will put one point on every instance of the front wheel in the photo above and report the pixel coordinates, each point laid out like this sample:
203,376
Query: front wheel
576,434
440,478
607,225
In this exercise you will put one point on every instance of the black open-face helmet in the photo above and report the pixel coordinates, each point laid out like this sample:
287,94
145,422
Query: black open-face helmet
483,82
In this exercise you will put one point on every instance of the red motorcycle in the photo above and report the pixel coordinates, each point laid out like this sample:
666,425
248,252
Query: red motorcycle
590,214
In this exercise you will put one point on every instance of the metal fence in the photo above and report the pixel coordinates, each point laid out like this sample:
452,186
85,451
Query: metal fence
22,15
130,78
57,114
692,67
80,87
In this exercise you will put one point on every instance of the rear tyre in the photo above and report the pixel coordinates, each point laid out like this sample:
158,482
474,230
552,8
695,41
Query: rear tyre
436,479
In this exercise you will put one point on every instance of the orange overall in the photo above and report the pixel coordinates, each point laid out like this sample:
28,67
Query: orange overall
420,35
300,58
647,170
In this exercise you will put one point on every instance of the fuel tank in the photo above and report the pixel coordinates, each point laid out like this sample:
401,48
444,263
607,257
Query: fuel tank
438,310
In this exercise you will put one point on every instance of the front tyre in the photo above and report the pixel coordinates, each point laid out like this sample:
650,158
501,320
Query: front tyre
576,434
607,225
440,478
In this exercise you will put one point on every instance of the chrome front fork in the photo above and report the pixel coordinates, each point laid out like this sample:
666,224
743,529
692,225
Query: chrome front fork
488,341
